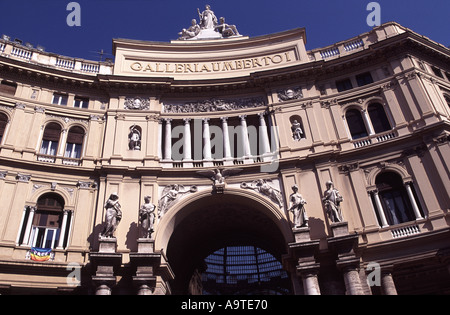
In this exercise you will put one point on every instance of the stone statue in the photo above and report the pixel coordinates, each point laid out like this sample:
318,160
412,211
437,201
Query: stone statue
147,217
207,18
297,207
113,216
264,188
134,138
225,29
191,32
297,131
332,200
218,177
169,195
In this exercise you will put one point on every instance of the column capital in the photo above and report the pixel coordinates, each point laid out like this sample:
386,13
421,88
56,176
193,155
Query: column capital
186,120
224,119
206,120
168,120
242,117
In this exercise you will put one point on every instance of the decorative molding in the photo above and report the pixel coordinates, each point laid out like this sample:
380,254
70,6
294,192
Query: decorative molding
23,178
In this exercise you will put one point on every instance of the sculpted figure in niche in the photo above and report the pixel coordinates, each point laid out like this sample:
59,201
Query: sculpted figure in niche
208,20
147,217
297,131
134,138
297,207
226,30
332,201
191,32
113,215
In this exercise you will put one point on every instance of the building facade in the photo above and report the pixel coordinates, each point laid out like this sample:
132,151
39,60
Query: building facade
234,146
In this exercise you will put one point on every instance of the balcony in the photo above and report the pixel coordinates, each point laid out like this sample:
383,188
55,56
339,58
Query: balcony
376,138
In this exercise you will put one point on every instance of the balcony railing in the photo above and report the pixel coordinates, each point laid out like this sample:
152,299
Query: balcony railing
405,231
376,138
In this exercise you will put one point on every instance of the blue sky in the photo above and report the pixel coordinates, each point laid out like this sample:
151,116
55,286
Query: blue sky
43,22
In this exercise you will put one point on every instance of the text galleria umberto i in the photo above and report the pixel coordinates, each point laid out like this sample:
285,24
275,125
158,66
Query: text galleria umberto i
222,164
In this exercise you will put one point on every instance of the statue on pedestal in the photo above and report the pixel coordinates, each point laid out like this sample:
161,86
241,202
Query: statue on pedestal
112,217
208,20
332,200
297,206
147,217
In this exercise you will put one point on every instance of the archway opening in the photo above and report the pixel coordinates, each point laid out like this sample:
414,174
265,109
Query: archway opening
217,225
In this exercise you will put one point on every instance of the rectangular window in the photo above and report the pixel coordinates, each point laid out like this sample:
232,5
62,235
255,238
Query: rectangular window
73,151
81,102
44,237
344,85
49,147
364,79
60,99
437,72
8,88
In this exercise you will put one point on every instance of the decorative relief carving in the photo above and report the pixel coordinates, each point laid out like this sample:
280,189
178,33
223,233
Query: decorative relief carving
170,195
290,94
264,188
136,103
214,105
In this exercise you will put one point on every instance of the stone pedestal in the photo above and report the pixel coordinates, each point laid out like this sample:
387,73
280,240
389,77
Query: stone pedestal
302,234
105,261
145,262
303,253
344,244
339,229
146,245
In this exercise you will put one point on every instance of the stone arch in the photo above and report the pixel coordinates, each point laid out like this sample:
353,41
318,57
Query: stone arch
395,168
205,222
47,190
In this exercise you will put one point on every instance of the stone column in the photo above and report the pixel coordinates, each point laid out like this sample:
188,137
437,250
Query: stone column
379,208
63,230
352,281
206,140
226,140
187,150
413,201
26,235
160,135
310,282
24,212
244,135
264,137
387,283
367,121
168,140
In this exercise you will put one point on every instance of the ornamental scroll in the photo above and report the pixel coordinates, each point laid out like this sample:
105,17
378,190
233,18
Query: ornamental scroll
214,105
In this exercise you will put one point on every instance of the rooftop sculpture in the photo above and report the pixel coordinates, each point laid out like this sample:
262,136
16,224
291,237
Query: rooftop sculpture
209,27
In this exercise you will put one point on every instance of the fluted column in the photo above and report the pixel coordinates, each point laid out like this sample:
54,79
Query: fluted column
413,201
206,140
168,140
226,139
187,150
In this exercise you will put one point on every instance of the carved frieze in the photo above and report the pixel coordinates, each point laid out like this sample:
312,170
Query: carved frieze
290,94
215,105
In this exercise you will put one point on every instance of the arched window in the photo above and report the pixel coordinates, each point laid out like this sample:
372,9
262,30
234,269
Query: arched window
50,139
356,124
380,122
47,220
74,143
3,123
394,198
